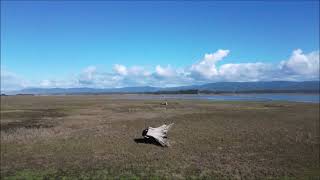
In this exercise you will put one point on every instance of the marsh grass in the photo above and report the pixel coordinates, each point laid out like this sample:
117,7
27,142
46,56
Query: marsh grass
93,137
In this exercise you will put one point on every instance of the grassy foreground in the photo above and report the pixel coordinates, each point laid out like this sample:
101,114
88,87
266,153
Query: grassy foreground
92,137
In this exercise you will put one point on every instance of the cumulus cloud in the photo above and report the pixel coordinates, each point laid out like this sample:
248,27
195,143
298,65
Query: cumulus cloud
217,56
130,71
120,76
120,69
47,83
299,66
57,83
302,64
88,75
138,71
165,72
206,68
91,77
245,72
90,70
11,81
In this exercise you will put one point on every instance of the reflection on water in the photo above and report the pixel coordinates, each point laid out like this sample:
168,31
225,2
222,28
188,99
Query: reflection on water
312,98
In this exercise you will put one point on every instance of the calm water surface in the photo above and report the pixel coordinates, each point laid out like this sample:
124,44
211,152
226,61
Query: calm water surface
311,98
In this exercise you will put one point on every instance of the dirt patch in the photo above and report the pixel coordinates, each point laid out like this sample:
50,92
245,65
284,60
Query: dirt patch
44,118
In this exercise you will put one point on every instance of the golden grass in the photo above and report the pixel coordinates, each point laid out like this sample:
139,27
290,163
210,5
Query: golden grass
93,137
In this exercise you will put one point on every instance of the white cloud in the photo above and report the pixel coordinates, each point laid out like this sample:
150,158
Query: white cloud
11,81
138,71
130,71
88,75
299,66
55,83
91,77
245,72
165,72
120,69
216,56
90,71
206,68
121,76
302,64
46,83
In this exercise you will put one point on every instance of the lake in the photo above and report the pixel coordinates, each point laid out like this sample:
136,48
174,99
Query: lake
310,98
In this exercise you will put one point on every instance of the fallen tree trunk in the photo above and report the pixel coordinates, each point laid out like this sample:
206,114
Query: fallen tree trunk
159,134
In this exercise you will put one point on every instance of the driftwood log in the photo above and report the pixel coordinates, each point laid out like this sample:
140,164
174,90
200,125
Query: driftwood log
159,134
164,103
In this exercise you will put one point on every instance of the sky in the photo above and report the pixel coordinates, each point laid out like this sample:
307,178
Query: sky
116,44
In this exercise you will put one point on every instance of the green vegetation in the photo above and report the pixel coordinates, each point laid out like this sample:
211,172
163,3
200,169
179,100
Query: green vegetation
92,137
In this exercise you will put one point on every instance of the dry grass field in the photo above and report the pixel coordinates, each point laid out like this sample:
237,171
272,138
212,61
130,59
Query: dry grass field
93,137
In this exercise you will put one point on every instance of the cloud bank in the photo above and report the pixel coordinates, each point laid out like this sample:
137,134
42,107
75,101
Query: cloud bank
298,67
11,81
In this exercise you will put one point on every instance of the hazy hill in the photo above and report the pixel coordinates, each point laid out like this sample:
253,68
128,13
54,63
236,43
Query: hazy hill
272,86
84,90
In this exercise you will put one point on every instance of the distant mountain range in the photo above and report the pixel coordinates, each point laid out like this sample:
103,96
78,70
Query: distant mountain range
255,86
225,87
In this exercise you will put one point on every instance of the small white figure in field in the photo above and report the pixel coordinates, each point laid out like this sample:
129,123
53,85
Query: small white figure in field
159,134
165,103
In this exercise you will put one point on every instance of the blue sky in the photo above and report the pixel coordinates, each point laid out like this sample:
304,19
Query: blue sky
114,44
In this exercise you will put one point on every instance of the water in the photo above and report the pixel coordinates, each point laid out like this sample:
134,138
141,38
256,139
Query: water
310,98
